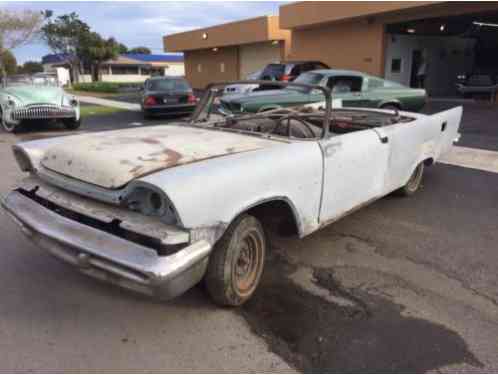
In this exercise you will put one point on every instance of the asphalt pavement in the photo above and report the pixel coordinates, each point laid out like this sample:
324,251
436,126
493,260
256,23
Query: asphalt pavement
403,285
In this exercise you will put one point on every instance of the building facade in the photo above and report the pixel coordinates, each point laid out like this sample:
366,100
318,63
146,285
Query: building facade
130,67
390,39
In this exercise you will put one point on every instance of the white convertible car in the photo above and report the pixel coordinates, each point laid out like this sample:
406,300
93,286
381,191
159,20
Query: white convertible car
160,208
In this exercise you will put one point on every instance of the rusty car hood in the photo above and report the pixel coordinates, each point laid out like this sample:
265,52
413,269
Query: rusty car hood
112,159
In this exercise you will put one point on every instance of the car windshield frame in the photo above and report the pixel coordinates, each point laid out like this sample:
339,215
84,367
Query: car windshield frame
303,90
205,106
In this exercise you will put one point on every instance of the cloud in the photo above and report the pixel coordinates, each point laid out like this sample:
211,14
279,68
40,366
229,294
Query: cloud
144,23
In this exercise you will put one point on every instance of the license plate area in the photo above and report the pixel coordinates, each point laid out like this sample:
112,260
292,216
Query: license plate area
170,100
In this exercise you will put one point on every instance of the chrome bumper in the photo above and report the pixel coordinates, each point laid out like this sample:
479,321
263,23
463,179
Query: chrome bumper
108,257
40,112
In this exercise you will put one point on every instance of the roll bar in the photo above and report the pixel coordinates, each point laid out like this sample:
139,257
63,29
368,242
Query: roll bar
212,89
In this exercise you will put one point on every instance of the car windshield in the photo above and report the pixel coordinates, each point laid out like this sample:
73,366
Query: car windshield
272,71
168,85
39,80
308,79
256,75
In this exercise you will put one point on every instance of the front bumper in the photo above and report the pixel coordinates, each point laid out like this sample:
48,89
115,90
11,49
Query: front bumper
42,112
106,256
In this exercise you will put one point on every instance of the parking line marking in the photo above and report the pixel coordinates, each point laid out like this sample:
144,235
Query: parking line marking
475,158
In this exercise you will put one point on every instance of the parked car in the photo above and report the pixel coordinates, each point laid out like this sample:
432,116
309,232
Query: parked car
353,89
158,209
167,95
288,71
477,84
36,98
244,88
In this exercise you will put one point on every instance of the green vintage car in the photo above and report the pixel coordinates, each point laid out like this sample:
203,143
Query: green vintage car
349,89
32,99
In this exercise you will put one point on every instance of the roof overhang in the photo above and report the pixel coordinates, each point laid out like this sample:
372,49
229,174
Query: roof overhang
305,14
254,30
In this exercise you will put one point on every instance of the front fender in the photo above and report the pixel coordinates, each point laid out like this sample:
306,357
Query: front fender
211,193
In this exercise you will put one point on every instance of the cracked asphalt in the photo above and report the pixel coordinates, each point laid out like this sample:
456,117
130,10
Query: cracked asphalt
403,285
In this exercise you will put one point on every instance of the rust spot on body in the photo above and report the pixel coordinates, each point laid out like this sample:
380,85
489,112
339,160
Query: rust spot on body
150,141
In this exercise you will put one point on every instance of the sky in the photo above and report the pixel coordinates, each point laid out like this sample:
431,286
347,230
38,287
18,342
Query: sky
142,23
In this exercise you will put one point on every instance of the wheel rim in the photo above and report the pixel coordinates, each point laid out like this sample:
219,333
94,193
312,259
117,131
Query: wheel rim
415,179
247,266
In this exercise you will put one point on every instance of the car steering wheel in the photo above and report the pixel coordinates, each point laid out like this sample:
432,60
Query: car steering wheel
290,125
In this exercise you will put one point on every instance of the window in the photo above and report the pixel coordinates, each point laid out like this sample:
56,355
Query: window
222,67
168,85
125,70
199,68
396,65
375,83
345,84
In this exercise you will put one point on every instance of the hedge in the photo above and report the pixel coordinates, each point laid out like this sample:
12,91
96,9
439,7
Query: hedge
105,87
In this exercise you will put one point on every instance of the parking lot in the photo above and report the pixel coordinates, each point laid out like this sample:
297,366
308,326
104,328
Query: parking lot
403,285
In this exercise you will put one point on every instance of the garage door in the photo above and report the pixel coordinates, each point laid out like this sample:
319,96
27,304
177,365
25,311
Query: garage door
255,56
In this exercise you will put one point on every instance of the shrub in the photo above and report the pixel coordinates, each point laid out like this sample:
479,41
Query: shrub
104,87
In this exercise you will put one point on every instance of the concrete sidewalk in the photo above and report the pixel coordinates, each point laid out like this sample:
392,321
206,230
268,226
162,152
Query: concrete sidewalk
109,103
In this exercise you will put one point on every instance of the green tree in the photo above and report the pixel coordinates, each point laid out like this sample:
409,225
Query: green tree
9,63
30,67
16,29
94,50
144,50
122,49
63,36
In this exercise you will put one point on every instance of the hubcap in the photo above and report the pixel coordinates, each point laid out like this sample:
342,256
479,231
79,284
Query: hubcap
248,263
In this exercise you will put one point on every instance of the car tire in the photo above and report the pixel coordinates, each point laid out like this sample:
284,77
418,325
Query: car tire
413,183
236,263
5,127
72,124
147,115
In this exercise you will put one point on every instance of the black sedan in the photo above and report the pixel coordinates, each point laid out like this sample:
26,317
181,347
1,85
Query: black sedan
167,95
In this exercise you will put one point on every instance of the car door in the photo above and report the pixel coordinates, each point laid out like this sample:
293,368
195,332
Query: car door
354,165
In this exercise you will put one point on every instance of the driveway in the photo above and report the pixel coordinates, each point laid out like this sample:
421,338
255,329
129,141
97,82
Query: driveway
403,285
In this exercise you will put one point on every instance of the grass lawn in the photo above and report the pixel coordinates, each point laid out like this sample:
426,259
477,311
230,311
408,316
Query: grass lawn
95,110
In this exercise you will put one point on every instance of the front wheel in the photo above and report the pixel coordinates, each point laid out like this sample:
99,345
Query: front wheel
414,182
72,124
237,261
9,128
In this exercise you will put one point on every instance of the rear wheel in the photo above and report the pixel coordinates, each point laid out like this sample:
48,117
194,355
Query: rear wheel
237,261
414,182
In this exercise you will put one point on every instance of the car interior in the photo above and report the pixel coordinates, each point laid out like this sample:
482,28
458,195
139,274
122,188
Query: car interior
307,123
344,84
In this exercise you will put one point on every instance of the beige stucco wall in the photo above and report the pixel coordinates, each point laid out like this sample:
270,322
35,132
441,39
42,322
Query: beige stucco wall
210,62
351,45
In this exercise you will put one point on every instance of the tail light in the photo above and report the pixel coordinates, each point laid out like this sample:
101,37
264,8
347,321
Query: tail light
150,100
191,98
286,78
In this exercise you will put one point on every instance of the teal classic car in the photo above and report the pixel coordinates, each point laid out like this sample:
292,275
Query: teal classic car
32,99
349,88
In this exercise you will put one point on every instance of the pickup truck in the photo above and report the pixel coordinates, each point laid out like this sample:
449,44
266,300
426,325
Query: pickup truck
158,209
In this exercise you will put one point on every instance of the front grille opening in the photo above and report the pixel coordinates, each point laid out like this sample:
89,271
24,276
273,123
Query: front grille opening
112,227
